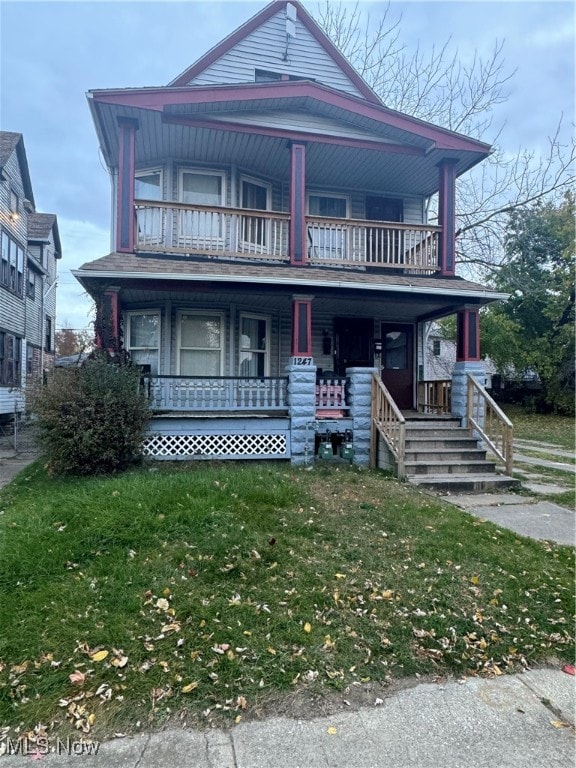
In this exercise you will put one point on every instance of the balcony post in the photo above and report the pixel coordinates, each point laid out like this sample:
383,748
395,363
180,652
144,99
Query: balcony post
127,128
298,236
302,326
108,320
447,216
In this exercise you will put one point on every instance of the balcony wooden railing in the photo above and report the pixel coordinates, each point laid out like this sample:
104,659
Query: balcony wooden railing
211,393
388,421
331,397
435,396
491,423
179,228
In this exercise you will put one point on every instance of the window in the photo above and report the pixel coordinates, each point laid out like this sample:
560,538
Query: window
29,359
436,347
254,346
201,188
200,344
10,359
31,286
13,202
148,185
326,240
150,220
267,76
143,336
48,334
255,195
11,264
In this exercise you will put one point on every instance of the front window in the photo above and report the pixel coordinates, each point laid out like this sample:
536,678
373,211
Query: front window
143,335
326,240
200,348
254,346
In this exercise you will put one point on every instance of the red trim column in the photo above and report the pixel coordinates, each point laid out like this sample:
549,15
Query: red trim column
302,326
447,216
468,335
298,236
108,325
127,128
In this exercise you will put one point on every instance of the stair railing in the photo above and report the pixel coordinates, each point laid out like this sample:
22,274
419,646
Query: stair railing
491,423
387,421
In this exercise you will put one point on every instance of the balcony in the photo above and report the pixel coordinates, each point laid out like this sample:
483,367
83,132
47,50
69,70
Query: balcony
233,232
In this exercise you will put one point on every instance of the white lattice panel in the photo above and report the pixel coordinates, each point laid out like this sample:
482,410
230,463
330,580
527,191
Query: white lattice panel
218,446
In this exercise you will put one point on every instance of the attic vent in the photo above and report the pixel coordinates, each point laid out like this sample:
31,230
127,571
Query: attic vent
290,20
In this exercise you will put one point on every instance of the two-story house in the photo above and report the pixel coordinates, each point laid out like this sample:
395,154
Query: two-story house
29,249
271,248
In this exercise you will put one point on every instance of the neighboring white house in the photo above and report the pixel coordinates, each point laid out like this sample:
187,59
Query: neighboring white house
440,357
29,248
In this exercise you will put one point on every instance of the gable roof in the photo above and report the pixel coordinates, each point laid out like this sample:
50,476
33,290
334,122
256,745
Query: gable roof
258,20
14,142
40,225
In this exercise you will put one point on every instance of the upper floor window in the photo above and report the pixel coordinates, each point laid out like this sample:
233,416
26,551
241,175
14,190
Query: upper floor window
202,187
14,202
267,76
326,240
11,264
48,334
31,287
10,359
148,185
436,347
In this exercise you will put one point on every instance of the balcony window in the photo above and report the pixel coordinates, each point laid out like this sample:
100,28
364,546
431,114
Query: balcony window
143,336
200,344
148,185
256,196
254,346
327,240
200,228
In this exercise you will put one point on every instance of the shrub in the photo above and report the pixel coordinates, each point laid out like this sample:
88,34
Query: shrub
92,419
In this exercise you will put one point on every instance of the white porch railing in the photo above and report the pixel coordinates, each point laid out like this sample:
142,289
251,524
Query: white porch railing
175,227
208,394
375,243
491,423
179,228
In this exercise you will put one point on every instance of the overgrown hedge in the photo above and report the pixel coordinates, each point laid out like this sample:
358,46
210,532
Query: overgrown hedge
92,419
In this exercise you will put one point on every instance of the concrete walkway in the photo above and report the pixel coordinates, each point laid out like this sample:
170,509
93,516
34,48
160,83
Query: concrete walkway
11,464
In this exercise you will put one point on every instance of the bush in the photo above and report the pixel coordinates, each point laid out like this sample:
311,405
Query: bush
92,419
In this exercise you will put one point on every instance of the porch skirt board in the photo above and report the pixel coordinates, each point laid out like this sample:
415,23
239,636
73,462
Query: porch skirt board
192,439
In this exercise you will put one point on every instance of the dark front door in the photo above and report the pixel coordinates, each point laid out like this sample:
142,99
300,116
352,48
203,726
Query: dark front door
353,343
398,363
383,246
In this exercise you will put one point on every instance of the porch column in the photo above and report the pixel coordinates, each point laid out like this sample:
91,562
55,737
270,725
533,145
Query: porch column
447,216
298,235
467,359
360,402
302,326
108,321
127,128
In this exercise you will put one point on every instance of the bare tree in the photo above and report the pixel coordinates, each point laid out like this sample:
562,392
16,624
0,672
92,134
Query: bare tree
441,87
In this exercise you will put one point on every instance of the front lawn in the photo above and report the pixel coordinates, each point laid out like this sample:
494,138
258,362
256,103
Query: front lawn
548,428
206,591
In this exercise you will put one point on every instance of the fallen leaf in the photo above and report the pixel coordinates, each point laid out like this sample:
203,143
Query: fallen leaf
189,687
162,603
99,655
475,580
307,627
119,662
332,730
558,724
77,677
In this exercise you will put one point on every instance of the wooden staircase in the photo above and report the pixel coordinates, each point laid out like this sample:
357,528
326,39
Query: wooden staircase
443,456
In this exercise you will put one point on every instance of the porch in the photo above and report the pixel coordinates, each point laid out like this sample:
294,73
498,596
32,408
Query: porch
264,235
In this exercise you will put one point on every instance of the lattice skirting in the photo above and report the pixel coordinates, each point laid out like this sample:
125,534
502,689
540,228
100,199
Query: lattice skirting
218,446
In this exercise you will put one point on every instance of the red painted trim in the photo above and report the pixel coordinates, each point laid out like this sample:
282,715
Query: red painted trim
447,216
256,21
158,98
301,347
464,354
297,244
317,138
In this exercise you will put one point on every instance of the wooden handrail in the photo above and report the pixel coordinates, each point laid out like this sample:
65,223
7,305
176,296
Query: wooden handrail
491,423
331,220
210,208
435,396
388,421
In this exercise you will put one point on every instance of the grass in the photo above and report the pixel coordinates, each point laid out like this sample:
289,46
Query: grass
545,428
204,592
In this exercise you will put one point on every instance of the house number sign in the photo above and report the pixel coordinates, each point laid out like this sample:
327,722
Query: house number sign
302,360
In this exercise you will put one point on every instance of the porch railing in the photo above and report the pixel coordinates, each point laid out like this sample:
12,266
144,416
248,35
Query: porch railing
331,396
211,393
491,423
373,243
387,421
435,396
176,227
170,227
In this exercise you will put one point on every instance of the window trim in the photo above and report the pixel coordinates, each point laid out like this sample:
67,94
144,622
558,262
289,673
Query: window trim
325,193
201,172
266,351
200,312
127,324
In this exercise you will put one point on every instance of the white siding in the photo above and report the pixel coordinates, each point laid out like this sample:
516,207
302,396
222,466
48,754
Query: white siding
265,49
12,306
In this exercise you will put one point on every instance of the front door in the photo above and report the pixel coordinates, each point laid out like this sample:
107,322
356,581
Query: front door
398,363
383,245
353,347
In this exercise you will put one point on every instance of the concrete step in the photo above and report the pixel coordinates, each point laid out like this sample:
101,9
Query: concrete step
464,483
436,454
415,468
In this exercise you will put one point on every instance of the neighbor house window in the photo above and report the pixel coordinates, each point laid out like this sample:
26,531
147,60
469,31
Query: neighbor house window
254,357
31,287
10,359
200,344
11,264
326,240
48,334
436,347
143,337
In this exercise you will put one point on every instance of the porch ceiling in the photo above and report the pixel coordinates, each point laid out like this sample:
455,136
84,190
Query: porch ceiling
253,133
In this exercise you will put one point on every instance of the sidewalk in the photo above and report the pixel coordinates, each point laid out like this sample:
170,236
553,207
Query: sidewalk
11,463
519,721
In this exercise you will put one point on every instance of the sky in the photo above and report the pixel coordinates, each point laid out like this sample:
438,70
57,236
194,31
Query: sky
52,53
